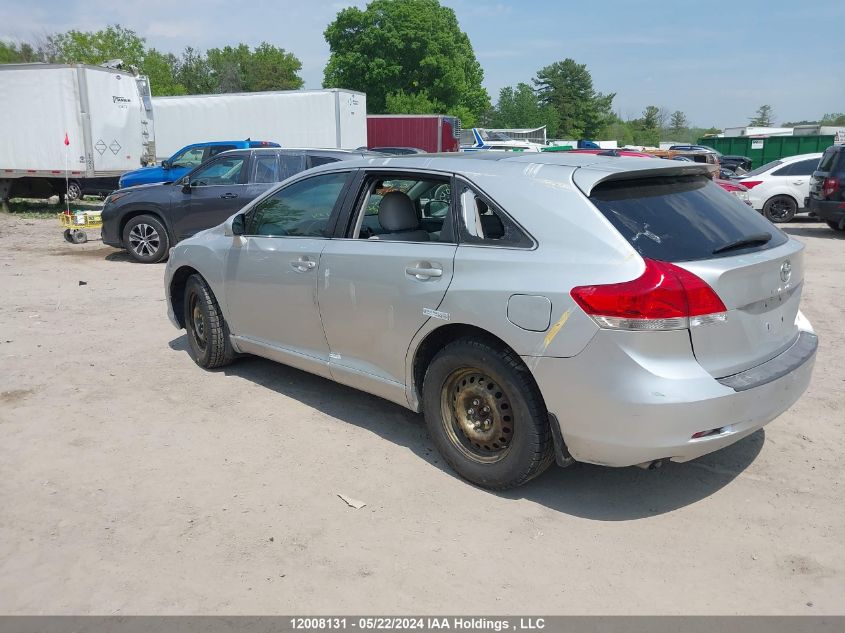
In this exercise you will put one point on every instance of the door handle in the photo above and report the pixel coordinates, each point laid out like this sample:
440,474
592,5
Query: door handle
303,264
423,271
229,196
797,182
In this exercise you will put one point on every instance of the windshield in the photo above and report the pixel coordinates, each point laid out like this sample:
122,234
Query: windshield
489,135
189,158
764,168
683,219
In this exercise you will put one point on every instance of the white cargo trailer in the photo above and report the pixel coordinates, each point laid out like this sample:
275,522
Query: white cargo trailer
332,118
105,115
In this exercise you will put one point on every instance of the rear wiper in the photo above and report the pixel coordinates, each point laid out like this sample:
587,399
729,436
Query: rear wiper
757,239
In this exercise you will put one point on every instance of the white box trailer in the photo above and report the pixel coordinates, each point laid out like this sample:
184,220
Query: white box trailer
104,114
332,118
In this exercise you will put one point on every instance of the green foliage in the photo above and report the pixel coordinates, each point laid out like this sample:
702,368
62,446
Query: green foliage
230,69
237,69
765,116
405,47
520,107
567,87
401,102
678,123
11,53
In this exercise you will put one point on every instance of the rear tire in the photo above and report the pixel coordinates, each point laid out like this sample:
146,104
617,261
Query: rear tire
486,416
74,191
145,239
780,209
835,226
208,334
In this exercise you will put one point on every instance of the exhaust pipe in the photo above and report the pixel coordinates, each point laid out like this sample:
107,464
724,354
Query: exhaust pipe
652,465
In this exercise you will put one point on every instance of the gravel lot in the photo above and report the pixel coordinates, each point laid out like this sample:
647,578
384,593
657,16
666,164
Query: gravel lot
132,481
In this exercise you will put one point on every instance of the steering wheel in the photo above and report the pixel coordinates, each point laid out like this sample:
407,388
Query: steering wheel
442,192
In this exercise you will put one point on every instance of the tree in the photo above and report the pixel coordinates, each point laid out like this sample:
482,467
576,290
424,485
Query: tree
651,118
519,107
96,47
272,68
406,47
195,73
764,118
567,87
678,122
160,69
834,118
11,53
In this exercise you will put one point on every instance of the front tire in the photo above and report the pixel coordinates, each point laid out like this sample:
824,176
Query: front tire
145,239
208,334
780,209
486,416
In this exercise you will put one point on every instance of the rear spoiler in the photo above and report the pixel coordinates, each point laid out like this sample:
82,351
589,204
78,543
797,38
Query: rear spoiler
587,178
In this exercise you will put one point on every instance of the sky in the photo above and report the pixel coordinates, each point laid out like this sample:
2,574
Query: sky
715,61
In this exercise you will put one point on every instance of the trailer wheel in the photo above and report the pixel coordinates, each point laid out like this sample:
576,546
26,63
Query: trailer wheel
78,237
66,234
74,190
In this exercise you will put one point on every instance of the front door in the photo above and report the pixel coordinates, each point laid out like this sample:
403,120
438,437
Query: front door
271,272
380,284
217,190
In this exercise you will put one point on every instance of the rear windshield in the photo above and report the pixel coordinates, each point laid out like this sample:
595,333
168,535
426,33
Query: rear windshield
764,168
683,219
829,157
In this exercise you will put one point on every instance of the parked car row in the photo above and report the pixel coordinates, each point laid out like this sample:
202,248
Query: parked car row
148,219
541,308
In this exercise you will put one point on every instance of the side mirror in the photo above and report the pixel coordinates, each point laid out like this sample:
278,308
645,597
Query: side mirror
186,184
165,164
235,225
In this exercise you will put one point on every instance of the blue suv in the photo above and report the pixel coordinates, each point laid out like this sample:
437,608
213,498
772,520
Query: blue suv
184,161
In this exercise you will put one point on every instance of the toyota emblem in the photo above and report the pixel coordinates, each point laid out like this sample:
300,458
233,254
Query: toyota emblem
785,271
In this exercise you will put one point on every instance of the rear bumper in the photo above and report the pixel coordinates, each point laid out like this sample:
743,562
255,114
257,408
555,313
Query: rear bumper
628,400
828,210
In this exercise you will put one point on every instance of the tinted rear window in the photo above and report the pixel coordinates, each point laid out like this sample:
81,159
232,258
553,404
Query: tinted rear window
681,219
829,157
764,168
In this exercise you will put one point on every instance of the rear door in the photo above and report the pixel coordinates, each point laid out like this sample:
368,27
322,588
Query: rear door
377,289
756,270
800,174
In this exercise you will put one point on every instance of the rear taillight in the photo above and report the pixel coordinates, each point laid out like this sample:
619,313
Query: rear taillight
664,297
750,184
830,187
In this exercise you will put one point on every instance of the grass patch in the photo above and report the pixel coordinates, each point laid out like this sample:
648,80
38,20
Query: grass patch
47,210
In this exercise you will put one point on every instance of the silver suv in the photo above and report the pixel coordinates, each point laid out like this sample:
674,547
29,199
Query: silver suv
535,308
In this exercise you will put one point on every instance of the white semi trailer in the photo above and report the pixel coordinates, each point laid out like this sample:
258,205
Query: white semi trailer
332,118
105,114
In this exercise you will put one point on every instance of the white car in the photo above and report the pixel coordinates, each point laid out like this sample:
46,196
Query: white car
778,189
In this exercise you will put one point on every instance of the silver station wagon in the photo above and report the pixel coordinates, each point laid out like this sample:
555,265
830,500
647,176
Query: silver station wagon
535,307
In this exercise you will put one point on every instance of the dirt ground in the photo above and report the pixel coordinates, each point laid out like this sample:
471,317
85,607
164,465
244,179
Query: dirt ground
132,481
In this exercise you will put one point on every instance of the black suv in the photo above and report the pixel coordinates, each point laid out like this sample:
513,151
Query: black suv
147,220
827,199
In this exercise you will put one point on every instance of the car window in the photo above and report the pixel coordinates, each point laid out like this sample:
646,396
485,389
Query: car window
484,224
804,167
322,160
829,157
223,171
290,165
426,200
301,209
266,169
681,219
190,158
764,168
216,149
786,170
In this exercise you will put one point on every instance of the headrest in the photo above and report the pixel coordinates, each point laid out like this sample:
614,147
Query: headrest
396,212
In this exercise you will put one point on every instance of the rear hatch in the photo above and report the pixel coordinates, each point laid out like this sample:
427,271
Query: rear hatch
826,168
754,268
